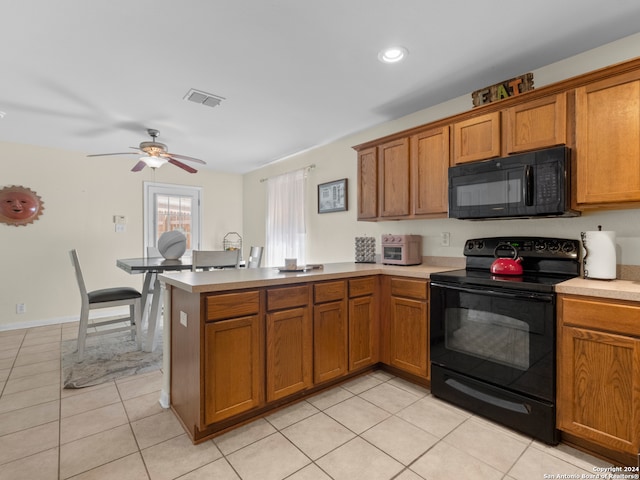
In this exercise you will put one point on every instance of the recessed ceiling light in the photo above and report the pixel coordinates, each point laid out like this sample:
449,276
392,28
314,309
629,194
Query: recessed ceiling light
392,54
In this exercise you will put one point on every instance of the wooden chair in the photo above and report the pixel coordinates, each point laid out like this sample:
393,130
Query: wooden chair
210,259
106,298
255,257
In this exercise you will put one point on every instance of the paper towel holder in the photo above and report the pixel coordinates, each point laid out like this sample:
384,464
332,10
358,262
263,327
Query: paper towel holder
610,273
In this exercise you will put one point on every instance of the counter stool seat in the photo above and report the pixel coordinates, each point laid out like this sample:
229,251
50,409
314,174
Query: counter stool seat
113,294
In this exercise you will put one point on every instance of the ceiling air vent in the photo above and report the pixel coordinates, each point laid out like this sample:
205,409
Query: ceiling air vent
203,98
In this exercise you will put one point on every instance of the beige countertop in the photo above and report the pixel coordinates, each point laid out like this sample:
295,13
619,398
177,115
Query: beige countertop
232,279
614,289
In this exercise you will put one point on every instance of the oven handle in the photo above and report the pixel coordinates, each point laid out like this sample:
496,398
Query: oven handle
542,297
486,398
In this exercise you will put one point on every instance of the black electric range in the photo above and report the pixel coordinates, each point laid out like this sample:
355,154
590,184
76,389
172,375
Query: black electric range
493,337
545,262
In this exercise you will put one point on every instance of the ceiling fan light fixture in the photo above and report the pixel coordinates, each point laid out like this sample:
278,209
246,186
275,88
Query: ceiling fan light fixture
154,162
392,54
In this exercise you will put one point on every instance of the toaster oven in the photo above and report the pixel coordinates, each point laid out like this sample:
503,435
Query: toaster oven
401,249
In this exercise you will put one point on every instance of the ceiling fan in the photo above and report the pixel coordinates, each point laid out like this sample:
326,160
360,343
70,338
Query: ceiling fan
155,155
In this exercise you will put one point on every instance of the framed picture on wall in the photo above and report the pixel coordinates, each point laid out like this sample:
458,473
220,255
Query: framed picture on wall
332,196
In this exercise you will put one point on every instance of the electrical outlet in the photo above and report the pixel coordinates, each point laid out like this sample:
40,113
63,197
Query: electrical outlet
445,239
21,308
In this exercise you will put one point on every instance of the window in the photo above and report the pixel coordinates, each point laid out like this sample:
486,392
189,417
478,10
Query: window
286,229
171,207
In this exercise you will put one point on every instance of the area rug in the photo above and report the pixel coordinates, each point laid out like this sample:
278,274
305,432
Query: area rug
107,357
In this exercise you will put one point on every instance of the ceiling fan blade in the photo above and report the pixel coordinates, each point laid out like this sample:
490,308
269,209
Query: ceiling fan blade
138,166
188,159
107,154
175,162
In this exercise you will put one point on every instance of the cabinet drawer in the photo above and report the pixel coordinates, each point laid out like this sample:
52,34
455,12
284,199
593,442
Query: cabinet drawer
607,315
362,286
287,297
232,305
403,287
329,291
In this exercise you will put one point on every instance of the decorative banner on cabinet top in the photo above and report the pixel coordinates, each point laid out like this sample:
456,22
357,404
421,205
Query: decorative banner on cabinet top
504,89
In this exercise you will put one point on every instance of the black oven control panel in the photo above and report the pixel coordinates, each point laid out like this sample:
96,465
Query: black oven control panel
526,247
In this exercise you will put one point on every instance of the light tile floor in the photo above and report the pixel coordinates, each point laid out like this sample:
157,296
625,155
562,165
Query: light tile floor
374,427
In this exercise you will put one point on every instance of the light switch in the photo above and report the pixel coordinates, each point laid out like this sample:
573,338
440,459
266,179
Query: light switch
119,219
183,318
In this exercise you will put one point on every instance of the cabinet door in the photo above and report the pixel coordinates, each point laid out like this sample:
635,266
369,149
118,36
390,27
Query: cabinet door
289,350
394,193
329,341
477,138
363,327
408,343
608,140
536,124
429,167
368,184
599,387
233,368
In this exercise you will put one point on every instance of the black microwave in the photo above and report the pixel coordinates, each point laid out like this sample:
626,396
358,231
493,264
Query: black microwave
532,184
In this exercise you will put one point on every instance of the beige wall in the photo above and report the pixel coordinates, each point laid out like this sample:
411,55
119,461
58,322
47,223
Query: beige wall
330,237
81,195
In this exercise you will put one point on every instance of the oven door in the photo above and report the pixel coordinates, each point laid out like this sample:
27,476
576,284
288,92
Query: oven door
393,254
502,337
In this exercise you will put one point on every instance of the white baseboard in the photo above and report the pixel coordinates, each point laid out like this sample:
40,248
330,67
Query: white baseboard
56,321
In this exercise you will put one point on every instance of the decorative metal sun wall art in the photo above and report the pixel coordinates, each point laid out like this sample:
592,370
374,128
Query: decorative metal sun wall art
19,205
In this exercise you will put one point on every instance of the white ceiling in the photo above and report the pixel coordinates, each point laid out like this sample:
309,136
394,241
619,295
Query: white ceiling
91,76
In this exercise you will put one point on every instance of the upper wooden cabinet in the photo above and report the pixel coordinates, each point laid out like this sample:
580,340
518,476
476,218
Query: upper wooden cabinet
608,142
429,164
368,184
410,180
531,125
477,138
597,115
536,124
394,188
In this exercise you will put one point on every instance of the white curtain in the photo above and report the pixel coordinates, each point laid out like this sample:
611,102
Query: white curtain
285,218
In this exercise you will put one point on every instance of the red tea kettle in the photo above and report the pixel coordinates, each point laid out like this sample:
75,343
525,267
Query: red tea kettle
506,266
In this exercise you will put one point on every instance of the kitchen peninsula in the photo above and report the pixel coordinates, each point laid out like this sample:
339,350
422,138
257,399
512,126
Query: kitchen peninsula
244,342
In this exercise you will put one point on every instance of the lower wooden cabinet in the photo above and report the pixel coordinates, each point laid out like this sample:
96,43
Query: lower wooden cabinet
233,375
409,326
289,343
330,331
363,322
238,354
599,372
